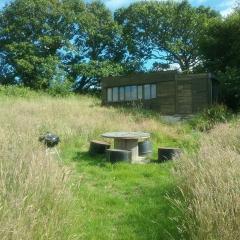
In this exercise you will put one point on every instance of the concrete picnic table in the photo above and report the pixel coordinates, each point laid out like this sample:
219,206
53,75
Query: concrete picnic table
127,141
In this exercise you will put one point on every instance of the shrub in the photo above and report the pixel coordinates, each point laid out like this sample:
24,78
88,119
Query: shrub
16,91
60,89
230,85
209,117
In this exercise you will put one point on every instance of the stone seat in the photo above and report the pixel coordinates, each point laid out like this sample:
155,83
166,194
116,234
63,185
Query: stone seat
118,155
168,153
98,147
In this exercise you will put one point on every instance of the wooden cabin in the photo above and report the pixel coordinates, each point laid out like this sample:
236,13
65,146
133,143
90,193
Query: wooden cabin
168,92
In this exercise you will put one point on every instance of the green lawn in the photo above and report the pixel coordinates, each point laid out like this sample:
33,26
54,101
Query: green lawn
120,201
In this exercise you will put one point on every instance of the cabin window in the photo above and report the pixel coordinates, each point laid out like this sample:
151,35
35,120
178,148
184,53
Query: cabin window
115,94
134,93
121,94
131,93
153,91
147,91
140,92
109,95
127,93
150,91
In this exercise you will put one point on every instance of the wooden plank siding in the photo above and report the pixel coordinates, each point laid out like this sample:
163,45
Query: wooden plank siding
176,93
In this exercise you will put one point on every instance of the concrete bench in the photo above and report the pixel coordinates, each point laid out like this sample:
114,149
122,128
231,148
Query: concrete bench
118,155
165,154
98,147
145,148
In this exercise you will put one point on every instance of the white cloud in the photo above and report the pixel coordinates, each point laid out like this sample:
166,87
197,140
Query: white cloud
114,4
227,7
227,3
226,11
200,1
3,3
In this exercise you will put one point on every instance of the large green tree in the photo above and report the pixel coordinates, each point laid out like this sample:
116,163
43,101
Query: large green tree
31,32
40,37
166,31
220,47
96,49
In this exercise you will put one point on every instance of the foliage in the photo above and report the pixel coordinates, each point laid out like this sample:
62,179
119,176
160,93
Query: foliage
209,117
60,89
39,37
224,35
166,31
220,47
96,50
16,91
230,85
93,71
31,32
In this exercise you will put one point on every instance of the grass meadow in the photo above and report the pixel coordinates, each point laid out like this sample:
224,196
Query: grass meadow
211,186
70,195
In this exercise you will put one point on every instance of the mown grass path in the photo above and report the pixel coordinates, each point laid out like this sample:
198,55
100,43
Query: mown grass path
121,201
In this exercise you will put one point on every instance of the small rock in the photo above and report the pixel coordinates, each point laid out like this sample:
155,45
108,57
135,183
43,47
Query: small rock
49,139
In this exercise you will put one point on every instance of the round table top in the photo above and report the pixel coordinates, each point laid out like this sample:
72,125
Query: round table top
126,135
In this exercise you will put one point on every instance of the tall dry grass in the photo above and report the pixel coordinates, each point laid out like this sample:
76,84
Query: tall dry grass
211,186
35,199
33,193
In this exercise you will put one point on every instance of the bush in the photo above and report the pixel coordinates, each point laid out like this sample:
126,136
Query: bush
207,119
60,89
16,91
230,85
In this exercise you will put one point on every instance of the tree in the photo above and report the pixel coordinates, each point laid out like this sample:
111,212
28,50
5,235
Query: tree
97,49
165,31
31,33
220,47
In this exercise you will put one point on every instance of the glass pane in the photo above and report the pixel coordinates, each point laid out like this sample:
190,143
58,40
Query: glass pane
121,94
140,93
109,94
115,94
153,91
134,93
147,91
128,93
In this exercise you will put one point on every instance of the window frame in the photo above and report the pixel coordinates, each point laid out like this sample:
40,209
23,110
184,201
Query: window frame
155,92
115,98
145,92
109,94
138,96
120,94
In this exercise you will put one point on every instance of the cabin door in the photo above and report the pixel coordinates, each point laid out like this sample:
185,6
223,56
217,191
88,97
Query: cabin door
183,94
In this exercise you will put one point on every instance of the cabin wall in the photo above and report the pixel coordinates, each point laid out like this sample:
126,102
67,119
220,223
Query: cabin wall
166,94
175,93
193,93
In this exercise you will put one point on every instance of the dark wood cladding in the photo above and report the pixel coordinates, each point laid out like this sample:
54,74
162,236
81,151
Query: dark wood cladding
138,79
176,93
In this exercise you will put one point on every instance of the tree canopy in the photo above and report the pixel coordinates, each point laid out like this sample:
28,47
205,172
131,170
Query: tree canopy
31,32
220,47
39,37
168,31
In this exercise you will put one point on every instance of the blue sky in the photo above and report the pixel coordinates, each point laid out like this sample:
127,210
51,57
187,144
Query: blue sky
224,6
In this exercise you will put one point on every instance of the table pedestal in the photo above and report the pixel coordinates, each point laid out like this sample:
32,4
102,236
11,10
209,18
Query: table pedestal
128,144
